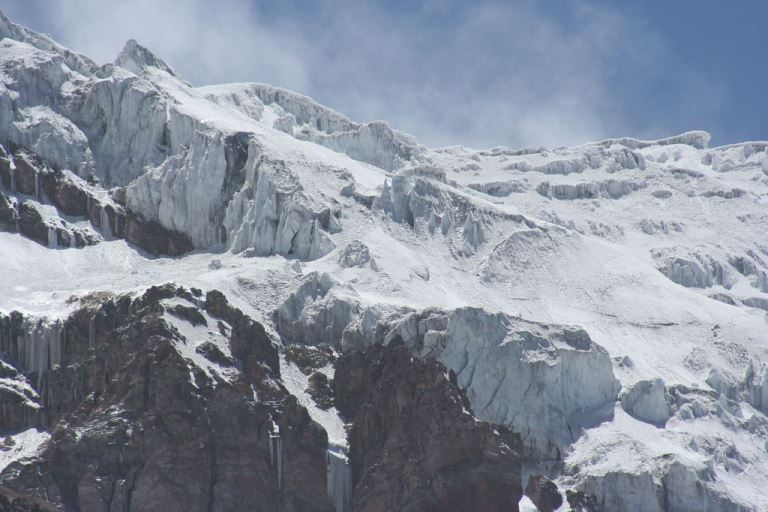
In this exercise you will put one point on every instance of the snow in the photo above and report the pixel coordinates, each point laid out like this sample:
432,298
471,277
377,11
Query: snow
297,383
192,336
22,445
635,242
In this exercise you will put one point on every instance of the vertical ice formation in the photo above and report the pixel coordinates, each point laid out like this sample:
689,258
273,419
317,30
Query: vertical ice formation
92,332
473,234
339,478
53,242
276,453
104,222
41,348
267,215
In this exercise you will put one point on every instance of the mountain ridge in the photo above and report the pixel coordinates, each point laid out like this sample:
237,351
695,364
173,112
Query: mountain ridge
604,302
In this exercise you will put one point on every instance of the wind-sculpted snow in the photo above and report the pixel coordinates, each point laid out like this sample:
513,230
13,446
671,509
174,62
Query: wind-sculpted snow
375,143
139,128
607,301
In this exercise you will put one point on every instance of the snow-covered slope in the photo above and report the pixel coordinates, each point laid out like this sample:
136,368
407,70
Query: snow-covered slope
609,302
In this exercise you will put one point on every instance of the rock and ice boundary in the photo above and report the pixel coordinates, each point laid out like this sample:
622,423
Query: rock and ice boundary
592,316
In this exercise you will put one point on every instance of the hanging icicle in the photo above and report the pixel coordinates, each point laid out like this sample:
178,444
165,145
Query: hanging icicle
92,332
53,241
276,453
41,348
339,478
37,185
104,220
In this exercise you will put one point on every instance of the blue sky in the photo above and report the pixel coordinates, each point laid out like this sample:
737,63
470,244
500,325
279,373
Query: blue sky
483,73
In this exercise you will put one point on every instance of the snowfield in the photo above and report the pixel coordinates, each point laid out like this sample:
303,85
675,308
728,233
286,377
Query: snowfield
609,301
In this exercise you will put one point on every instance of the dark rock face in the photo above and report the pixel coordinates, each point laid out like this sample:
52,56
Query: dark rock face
64,193
31,223
8,214
25,174
308,358
320,390
413,446
581,502
34,178
151,235
135,426
11,501
543,493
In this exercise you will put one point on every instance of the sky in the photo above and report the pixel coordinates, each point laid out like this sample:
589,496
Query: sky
475,73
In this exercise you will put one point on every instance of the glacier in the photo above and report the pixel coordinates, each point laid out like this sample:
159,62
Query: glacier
605,301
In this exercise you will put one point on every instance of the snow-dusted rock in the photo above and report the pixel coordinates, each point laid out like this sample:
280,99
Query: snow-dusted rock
544,381
356,254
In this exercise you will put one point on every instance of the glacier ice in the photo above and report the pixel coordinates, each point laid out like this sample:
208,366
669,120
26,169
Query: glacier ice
607,301
647,401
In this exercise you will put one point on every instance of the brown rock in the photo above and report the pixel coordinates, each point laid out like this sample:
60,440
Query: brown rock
8,214
543,493
135,427
414,446
31,223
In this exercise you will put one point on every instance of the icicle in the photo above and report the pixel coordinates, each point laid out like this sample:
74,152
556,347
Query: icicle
55,349
276,453
37,184
339,478
53,241
41,348
92,332
13,178
105,222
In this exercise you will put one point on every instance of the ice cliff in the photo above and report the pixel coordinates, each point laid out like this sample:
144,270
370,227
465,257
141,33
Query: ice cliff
604,304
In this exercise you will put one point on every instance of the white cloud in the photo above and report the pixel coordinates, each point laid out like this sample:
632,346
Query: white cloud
204,41
479,74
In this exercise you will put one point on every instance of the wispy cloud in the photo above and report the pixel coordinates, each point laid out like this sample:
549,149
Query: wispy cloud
481,73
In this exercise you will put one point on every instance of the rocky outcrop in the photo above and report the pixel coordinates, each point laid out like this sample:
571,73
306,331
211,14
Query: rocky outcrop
356,254
544,493
139,422
71,196
8,215
11,501
414,444
545,381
